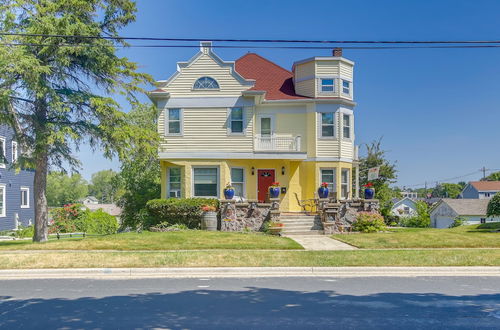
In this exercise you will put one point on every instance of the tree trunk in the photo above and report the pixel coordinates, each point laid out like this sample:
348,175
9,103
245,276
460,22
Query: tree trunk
41,211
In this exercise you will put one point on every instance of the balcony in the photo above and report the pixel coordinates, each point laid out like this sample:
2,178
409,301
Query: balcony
277,142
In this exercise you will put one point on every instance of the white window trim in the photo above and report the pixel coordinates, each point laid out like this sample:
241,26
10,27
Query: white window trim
15,155
342,87
4,144
206,89
230,122
244,179
192,180
320,86
335,126
27,206
347,183
351,130
273,123
334,189
3,214
181,122
168,182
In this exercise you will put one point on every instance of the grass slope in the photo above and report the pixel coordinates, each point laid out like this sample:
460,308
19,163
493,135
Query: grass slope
475,236
220,258
179,240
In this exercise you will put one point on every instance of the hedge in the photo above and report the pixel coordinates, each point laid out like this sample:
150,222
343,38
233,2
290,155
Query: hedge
186,211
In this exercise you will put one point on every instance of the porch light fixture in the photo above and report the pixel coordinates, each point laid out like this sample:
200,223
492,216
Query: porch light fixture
282,170
253,170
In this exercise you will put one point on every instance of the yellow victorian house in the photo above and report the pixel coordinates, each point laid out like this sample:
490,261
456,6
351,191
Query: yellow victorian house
251,122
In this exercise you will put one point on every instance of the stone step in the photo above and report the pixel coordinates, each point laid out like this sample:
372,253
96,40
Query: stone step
303,232
298,221
302,223
302,227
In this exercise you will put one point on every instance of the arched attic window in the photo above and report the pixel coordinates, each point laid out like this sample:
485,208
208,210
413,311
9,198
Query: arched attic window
206,83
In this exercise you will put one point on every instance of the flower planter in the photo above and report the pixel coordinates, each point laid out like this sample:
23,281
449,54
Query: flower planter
275,230
323,192
229,193
274,192
209,221
369,193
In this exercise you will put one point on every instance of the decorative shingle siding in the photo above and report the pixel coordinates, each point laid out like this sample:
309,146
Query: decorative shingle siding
13,182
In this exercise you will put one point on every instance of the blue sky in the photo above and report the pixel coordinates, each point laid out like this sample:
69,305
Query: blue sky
437,109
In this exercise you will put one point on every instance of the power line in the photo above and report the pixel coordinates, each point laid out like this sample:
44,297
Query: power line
258,40
255,47
483,170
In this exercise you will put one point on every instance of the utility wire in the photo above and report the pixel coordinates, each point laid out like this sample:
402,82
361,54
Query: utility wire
255,47
454,178
260,40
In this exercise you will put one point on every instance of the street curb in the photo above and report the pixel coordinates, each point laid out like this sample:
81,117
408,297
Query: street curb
222,272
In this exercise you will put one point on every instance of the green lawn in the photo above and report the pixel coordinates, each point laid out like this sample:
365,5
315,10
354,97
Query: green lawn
476,236
248,258
179,240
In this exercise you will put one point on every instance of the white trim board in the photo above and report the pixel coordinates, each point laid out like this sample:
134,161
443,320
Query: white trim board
232,155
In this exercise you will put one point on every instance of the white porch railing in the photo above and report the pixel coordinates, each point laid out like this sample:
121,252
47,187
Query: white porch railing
277,143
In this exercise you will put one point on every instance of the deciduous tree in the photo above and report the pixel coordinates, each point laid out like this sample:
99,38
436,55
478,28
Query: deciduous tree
64,189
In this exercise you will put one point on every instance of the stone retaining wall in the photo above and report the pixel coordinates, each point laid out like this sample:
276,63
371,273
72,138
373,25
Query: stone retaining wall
250,215
347,210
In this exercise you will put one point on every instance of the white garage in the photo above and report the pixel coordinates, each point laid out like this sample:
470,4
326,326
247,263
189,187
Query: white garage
472,211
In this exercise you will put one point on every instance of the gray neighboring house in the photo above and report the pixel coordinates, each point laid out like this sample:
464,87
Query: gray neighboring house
89,200
480,189
473,211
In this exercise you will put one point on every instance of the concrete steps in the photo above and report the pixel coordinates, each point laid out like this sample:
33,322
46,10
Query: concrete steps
300,224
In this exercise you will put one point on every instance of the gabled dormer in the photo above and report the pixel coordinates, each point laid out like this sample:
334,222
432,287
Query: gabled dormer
325,76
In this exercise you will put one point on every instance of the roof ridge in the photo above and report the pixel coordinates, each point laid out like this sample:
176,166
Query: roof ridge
265,59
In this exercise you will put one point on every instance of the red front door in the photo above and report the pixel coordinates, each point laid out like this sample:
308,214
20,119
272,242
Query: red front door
264,180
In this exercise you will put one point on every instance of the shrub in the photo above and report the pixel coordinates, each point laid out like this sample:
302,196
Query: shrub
185,211
421,220
97,222
64,219
166,227
457,222
494,206
368,222
24,231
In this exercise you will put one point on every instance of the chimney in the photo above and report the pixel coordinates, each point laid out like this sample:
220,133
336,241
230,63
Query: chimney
205,46
337,52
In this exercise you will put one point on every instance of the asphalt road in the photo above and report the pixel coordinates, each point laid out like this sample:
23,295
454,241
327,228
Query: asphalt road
252,303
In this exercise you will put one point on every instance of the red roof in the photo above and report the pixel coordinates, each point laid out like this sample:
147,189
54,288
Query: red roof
276,81
486,185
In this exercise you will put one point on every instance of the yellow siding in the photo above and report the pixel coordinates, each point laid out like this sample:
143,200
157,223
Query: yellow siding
304,70
328,147
206,129
306,87
301,179
182,86
346,71
311,133
327,68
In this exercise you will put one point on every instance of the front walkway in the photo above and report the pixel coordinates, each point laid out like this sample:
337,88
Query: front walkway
320,243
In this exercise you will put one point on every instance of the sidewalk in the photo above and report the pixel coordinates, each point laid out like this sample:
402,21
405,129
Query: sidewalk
320,243
247,272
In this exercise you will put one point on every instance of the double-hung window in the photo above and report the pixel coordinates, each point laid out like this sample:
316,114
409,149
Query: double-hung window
344,183
206,181
346,126
346,87
3,152
327,85
173,122
3,207
327,124
328,176
14,152
236,120
238,181
174,182
25,197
